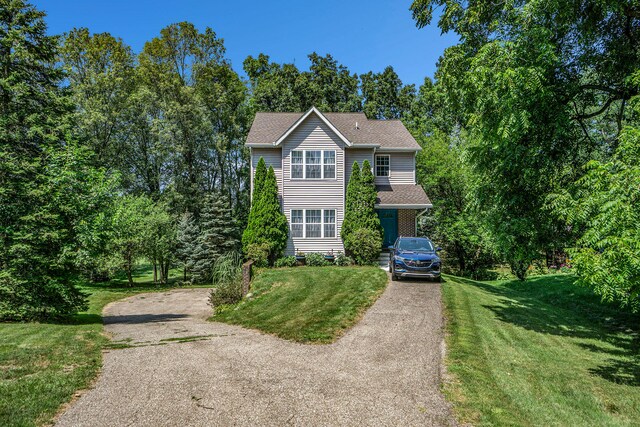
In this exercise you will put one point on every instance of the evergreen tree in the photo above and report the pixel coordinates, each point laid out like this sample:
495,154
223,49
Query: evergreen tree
369,217
360,213
187,242
218,235
349,224
46,186
248,235
267,222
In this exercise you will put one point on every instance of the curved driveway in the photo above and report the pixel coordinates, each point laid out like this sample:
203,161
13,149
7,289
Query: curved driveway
185,371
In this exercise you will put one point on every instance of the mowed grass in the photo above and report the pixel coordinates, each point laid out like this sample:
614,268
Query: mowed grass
543,352
42,365
307,304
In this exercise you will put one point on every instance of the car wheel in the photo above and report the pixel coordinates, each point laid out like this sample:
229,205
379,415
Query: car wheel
394,276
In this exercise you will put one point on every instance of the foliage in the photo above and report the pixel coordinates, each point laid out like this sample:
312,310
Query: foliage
259,253
127,232
502,337
227,280
541,89
364,246
287,261
281,299
316,259
327,85
159,243
187,234
218,235
385,97
47,185
268,225
604,206
360,214
259,177
452,222
343,260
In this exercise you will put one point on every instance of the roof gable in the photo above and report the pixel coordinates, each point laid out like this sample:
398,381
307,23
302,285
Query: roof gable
321,116
384,135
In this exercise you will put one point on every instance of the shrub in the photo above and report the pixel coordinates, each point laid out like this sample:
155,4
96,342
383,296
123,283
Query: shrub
316,259
287,261
343,260
227,281
364,244
259,253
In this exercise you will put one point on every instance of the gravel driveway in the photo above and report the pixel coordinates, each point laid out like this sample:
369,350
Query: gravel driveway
384,371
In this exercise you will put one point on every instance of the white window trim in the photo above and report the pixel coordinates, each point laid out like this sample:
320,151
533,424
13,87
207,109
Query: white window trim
304,165
321,223
375,165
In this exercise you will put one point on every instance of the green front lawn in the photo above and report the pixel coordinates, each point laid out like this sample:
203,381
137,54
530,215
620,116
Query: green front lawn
307,304
42,365
543,352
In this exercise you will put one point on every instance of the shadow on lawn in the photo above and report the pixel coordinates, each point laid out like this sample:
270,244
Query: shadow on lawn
554,305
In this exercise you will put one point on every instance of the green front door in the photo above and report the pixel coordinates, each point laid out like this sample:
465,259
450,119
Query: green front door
389,221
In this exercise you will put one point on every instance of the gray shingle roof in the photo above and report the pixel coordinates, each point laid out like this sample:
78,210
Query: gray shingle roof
269,127
402,194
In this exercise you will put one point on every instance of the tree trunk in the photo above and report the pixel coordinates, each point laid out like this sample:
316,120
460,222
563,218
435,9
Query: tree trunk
155,272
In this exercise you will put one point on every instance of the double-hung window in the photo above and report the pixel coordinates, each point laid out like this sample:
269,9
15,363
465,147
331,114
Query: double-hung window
297,223
297,164
329,162
313,223
382,165
313,164
329,223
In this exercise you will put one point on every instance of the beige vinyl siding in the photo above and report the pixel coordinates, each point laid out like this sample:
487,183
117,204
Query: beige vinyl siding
272,157
356,155
401,169
313,134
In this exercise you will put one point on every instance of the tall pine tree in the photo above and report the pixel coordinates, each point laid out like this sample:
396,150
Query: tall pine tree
368,195
187,242
267,222
218,235
46,185
349,224
249,233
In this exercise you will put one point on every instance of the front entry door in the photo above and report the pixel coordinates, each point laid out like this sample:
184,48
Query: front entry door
389,222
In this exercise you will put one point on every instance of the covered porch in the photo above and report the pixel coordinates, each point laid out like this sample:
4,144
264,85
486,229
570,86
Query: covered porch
398,208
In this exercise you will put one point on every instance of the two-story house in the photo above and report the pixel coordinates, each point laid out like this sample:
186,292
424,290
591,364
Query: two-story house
312,154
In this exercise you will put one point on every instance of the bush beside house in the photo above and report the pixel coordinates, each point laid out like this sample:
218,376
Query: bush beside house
361,230
267,230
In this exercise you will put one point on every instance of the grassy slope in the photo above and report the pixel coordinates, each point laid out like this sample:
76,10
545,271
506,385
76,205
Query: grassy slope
43,364
308,304
542,352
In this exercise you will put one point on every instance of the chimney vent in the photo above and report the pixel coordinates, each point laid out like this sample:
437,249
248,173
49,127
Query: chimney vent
357,127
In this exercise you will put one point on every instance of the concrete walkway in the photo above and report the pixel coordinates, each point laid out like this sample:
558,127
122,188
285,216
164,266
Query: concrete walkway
385,371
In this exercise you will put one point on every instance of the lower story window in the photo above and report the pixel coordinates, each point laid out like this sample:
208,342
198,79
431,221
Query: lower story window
313,223
297,223
329,223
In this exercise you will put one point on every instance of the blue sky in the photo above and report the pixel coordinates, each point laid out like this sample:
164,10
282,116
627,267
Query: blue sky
364,35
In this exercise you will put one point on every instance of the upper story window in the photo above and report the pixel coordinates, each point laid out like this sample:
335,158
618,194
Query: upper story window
313,164
382,164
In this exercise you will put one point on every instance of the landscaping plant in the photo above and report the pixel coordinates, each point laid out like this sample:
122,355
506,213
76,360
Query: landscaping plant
227,281
287,261
267,226
316,259
360,214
